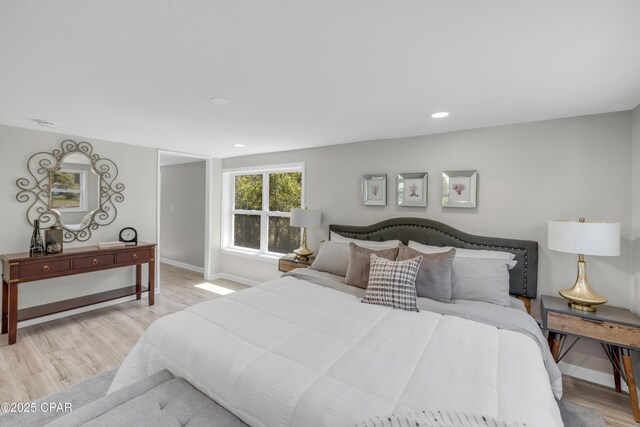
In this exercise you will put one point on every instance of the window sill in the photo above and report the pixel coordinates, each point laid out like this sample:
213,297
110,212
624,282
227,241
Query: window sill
252,255
72,210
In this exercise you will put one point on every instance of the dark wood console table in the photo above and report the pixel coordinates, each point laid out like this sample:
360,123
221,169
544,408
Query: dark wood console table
20,268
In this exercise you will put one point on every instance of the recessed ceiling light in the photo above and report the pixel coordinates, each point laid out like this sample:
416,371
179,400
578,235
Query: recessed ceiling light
440,115
219,101
239,145
45,123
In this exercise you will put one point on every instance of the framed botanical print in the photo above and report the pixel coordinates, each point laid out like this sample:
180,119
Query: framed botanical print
412,189
460,189
374,190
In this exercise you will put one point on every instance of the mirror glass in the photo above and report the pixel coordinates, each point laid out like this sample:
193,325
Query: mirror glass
74,191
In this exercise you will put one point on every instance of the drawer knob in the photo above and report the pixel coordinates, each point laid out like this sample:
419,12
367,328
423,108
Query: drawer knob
135,256
94,261
45,267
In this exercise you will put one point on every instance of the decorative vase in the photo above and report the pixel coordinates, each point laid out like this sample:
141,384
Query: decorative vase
53,248
36,247
53,240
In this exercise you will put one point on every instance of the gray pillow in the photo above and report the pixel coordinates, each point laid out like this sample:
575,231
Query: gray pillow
333,257
360,262
434,277
481,279
392,283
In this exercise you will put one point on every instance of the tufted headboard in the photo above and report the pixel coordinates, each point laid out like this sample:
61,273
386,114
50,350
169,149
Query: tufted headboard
523,280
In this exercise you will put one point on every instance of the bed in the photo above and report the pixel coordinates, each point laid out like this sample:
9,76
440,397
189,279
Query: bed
303,350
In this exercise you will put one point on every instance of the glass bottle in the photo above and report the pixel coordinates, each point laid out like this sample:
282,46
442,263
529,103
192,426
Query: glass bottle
36,247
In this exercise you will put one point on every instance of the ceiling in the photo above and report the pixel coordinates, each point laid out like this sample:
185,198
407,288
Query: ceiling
303,73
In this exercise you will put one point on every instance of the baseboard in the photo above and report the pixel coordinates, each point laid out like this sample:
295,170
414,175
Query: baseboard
68,313
182,265
233,278
591,375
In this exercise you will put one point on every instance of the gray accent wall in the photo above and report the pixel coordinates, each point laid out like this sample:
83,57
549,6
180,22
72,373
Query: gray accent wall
635,233
182,213
528,174
137,170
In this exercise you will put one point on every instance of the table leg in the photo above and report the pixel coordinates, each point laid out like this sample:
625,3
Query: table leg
616,371
627,364
138,281
13,312
555,344
152,280
5,307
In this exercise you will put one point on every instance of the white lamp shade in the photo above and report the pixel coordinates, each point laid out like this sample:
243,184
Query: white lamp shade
305,218
587,238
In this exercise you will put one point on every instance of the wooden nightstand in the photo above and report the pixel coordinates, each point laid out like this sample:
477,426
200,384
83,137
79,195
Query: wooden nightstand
289,262
617,330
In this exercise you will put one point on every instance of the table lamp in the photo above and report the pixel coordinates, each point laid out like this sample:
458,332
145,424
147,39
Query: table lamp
305,218
584,237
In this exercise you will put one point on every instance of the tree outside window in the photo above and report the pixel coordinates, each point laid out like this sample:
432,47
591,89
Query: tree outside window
261,211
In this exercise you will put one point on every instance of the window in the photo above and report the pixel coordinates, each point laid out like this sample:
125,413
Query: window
68,190
260,203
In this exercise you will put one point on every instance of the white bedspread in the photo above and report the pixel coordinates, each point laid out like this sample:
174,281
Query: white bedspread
291,353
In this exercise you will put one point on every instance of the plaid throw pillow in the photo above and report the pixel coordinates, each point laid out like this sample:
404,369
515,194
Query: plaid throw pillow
393,283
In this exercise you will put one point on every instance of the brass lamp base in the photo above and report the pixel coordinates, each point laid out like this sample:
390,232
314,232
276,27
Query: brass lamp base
303,252
581,296
303,255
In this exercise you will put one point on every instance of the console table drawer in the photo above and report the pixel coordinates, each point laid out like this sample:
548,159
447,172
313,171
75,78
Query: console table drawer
92,261
133,257
615,333
43,268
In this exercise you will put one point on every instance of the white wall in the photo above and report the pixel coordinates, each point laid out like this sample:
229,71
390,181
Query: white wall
528,173
137,168
182,213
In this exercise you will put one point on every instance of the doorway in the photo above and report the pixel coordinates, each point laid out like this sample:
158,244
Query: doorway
183,212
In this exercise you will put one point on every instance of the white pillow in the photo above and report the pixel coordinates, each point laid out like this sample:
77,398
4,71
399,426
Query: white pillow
369,244
332,257
428,249
461,252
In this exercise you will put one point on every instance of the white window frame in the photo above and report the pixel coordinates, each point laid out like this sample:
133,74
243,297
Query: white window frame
228,199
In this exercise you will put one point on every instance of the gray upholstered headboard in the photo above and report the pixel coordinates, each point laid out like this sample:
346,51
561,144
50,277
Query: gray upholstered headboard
523,279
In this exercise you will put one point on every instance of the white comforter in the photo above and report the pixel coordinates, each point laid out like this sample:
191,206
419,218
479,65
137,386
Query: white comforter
291,353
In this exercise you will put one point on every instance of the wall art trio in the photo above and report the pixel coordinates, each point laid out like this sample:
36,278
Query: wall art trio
459,189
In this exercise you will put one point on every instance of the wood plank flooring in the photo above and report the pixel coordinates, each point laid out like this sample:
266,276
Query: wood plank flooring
614,407
54,355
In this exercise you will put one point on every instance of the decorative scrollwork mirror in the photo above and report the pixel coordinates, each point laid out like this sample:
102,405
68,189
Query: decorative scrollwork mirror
72,188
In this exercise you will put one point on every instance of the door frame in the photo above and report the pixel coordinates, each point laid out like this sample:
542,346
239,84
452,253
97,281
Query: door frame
208,229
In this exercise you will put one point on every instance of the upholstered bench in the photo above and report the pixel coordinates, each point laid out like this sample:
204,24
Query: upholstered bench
160,400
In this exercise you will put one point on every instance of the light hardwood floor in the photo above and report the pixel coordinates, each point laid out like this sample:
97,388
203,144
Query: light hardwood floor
56,354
